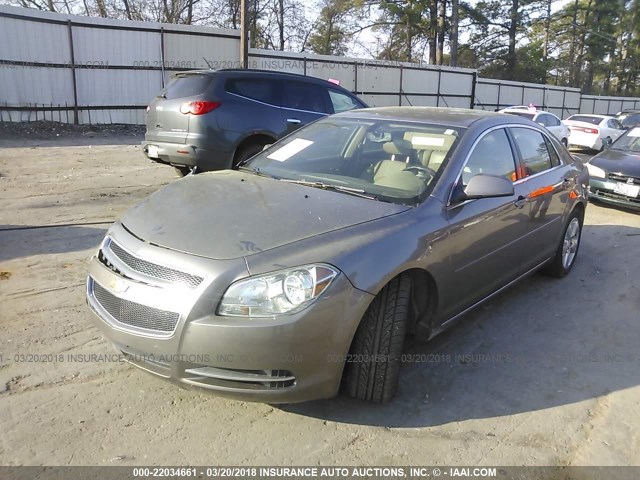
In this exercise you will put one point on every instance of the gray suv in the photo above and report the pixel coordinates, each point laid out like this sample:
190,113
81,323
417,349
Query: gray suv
214,120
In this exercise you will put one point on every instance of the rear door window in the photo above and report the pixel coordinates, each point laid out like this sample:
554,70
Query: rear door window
304,96
533,150
187,86
262,90
552,121
342,102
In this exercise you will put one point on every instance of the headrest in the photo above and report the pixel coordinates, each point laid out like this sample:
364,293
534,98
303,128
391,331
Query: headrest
398,147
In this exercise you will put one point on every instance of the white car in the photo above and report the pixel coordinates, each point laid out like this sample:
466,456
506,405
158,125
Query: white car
546,119
593,131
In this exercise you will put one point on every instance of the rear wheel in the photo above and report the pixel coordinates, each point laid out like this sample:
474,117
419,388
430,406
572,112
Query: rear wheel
567,252
374,370
247,152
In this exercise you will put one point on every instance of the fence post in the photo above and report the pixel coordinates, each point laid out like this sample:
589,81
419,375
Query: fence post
472,103
355,73
162,55
400,88
438,92
73,74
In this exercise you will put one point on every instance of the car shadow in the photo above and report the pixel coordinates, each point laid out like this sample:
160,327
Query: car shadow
17,241
543,343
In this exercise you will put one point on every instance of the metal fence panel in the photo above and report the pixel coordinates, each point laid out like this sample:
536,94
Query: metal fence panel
118,66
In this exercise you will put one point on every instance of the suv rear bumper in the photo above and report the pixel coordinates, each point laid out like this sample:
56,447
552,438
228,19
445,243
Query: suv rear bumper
186,155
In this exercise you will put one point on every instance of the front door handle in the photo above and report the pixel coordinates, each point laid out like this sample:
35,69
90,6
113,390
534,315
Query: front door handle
519,203
294,121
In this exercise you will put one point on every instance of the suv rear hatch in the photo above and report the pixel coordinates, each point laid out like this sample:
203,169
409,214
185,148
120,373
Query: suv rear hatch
165,121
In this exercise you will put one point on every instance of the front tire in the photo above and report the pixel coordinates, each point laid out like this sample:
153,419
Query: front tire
377,346
567,252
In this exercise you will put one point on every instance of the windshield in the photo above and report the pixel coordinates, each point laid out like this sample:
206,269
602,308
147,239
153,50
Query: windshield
629,142
629,119
585,118
380,159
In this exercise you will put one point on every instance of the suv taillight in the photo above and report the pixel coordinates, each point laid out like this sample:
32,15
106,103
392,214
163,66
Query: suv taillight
198,107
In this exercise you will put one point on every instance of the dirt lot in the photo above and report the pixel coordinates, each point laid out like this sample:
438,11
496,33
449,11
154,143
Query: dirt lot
546,374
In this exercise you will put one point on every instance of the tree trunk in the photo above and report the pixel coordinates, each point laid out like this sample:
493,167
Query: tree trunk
454,34
433,30
572,47
441,31
513,30
127,9
281,23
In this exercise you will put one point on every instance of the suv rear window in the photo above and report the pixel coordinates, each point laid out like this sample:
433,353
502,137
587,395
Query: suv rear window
263,90
187,86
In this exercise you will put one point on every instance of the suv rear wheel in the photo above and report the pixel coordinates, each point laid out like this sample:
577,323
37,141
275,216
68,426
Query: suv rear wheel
247,151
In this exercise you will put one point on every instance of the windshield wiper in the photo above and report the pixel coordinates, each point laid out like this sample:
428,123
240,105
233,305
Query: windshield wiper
358,192
255,171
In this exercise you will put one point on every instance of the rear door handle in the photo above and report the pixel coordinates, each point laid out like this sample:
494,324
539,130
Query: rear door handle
294,121
519,203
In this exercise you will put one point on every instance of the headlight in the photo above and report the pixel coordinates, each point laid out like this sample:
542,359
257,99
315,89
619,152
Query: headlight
596,172
285,291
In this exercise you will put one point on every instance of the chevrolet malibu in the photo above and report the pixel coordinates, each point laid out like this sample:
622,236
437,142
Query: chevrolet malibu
302,272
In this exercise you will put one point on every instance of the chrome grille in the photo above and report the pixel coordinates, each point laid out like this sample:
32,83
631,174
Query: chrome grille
624,178
151,269
135,314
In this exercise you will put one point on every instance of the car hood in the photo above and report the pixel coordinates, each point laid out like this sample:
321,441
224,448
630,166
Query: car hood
617,161
230,214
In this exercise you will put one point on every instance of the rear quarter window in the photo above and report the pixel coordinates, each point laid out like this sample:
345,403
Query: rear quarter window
187,86
260,89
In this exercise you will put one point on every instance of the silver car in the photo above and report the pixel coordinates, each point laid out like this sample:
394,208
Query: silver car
304,270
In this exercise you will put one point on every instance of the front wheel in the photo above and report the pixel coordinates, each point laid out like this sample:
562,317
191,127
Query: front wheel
567,252
373,367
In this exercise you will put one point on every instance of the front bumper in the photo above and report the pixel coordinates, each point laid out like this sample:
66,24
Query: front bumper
282,359
603,190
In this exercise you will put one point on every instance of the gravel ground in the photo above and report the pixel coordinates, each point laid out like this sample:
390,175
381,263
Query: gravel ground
545,374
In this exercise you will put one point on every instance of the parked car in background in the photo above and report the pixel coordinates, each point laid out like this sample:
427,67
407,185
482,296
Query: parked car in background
215,119
541,117
629,118
304,269
615,173
593,131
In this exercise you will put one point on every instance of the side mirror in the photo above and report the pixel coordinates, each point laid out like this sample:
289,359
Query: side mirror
540,123
488,186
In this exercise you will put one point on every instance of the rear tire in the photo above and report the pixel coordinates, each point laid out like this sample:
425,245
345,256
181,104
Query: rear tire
182,171
246,152
567,252
377,346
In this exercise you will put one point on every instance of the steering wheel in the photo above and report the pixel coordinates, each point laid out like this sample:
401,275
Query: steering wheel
421,172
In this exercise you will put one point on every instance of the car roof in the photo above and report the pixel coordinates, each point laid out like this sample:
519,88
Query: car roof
596,115
453,117
255,71
524,109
